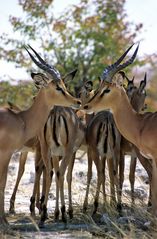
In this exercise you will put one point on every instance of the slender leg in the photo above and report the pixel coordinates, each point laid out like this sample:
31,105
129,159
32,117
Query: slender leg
23,157
132,176
36,189
104,178
57,176
89,177
116,162
69,181
121,178
47,162
45,186
112,181
147,164
98,163
44,214
38,172
3,179
63,166
153,186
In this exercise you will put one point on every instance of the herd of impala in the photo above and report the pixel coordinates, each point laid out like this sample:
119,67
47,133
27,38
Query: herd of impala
58,124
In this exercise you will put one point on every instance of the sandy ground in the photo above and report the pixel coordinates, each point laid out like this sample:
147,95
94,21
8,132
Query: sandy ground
25,227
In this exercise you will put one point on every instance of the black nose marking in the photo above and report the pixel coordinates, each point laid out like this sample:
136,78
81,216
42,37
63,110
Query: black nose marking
85,107
79,102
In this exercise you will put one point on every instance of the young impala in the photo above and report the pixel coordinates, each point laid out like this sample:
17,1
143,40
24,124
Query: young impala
105,142
139,129
137,96
17,128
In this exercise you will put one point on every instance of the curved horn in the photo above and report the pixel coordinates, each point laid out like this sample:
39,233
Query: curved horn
111,70
130,61
43,64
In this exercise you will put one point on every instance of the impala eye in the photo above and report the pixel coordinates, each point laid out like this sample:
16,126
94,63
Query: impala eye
107,90
60,89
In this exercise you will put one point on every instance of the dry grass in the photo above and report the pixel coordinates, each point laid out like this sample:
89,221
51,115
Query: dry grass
136,221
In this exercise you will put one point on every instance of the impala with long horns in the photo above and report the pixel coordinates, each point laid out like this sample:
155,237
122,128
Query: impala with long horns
139,129
17,128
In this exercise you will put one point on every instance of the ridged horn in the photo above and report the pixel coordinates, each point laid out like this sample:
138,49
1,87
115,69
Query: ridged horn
111,70
43,64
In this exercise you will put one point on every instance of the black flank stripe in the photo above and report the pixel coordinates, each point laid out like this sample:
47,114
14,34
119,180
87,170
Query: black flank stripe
98,133
113,134
54,131
45,129
66,129
105,142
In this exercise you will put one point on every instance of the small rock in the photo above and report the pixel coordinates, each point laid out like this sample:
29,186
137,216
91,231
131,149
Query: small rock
105,219
125,220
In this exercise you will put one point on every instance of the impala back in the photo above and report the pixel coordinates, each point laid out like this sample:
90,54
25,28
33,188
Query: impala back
63,131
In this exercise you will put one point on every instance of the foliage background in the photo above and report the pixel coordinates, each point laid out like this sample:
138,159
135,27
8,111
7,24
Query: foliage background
87,36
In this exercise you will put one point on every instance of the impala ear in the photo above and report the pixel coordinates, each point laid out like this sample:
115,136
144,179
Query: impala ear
125,84
118,80
89,85
40,80
12,106
126,80
70,76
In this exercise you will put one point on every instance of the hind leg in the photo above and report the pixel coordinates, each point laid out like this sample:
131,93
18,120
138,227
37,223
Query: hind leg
21,169
4,162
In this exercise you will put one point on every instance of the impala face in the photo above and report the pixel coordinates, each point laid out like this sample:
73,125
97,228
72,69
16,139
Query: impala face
52,83
103,98
55,90
108,91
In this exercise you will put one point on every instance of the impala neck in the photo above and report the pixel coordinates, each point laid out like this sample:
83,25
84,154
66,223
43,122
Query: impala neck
36,116
126,119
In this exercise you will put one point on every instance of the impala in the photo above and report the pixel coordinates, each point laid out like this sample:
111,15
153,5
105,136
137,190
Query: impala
61,137
17,128
53,125
29,146
139,129
137,97
64,133
33,145
103,144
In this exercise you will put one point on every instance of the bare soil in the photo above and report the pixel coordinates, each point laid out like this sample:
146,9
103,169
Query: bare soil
135,222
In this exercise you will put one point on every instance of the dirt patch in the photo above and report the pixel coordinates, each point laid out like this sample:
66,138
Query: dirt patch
133,223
